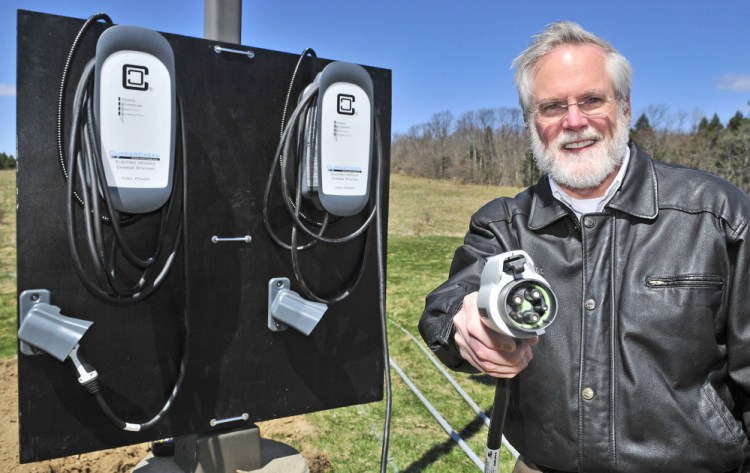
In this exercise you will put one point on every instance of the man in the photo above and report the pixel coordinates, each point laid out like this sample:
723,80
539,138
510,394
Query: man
647,366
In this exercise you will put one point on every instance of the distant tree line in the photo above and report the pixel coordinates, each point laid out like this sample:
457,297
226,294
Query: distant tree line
486,146
489,146
7,161
710,145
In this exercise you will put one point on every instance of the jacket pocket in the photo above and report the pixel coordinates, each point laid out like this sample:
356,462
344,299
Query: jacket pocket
691,300
721,422
686,281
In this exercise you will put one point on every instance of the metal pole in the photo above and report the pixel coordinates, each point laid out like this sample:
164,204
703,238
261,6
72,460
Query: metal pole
222,20
458,389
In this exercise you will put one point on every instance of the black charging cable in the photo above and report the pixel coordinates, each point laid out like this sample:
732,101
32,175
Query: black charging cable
85,167
380,246
299,224
107,282
88,377
497,422
87,187
63,88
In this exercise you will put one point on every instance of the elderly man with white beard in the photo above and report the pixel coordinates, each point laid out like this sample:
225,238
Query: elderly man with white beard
647,367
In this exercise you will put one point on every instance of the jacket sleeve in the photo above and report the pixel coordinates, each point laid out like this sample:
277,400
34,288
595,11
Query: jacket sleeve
436,323
738,324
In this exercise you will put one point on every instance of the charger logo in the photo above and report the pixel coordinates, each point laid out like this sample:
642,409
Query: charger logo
134,77
345,104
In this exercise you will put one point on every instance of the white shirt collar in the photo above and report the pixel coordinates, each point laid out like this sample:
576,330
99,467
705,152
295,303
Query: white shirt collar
596,204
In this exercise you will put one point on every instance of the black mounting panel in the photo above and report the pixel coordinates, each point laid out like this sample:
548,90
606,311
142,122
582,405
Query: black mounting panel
233,107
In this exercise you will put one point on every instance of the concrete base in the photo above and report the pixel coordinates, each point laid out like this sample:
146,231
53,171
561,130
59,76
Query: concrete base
219,452
276,457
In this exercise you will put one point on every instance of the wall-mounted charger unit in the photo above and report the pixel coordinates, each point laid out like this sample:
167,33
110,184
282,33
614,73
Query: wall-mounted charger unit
135,106
329,142
338,132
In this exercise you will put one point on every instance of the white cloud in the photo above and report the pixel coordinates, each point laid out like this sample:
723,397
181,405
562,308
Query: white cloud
7,90
735,82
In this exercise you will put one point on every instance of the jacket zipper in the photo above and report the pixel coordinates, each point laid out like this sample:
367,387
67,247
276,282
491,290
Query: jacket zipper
703,280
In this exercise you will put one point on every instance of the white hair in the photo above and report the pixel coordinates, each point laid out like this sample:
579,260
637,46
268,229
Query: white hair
565,32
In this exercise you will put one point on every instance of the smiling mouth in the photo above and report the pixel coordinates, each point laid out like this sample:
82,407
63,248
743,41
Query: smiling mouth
578,144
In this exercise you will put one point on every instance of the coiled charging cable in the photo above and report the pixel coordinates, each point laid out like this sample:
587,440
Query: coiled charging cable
84,167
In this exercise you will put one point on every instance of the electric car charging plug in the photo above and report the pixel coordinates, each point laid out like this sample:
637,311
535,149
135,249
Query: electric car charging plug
513,298
516,301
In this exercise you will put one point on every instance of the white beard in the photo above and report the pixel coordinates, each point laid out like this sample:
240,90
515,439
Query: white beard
589,168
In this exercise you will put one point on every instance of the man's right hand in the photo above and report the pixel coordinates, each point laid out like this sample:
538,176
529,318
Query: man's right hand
490,352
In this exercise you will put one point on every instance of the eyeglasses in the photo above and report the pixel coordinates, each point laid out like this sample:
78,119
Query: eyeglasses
590,105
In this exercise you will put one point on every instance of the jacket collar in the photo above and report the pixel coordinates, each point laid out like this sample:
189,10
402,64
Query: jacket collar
637,196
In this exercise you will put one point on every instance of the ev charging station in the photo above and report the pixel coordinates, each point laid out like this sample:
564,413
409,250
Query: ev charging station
261,291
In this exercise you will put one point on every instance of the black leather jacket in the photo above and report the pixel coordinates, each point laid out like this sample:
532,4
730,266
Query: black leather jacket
654,317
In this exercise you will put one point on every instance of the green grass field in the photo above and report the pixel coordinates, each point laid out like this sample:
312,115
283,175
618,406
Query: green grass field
7,263
426,222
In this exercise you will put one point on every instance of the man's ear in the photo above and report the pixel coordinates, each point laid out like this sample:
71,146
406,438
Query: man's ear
627,111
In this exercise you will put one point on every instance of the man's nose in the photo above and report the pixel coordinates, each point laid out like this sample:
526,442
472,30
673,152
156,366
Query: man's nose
574,119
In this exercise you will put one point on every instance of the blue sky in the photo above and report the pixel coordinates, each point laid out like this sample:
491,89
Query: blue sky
688,56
